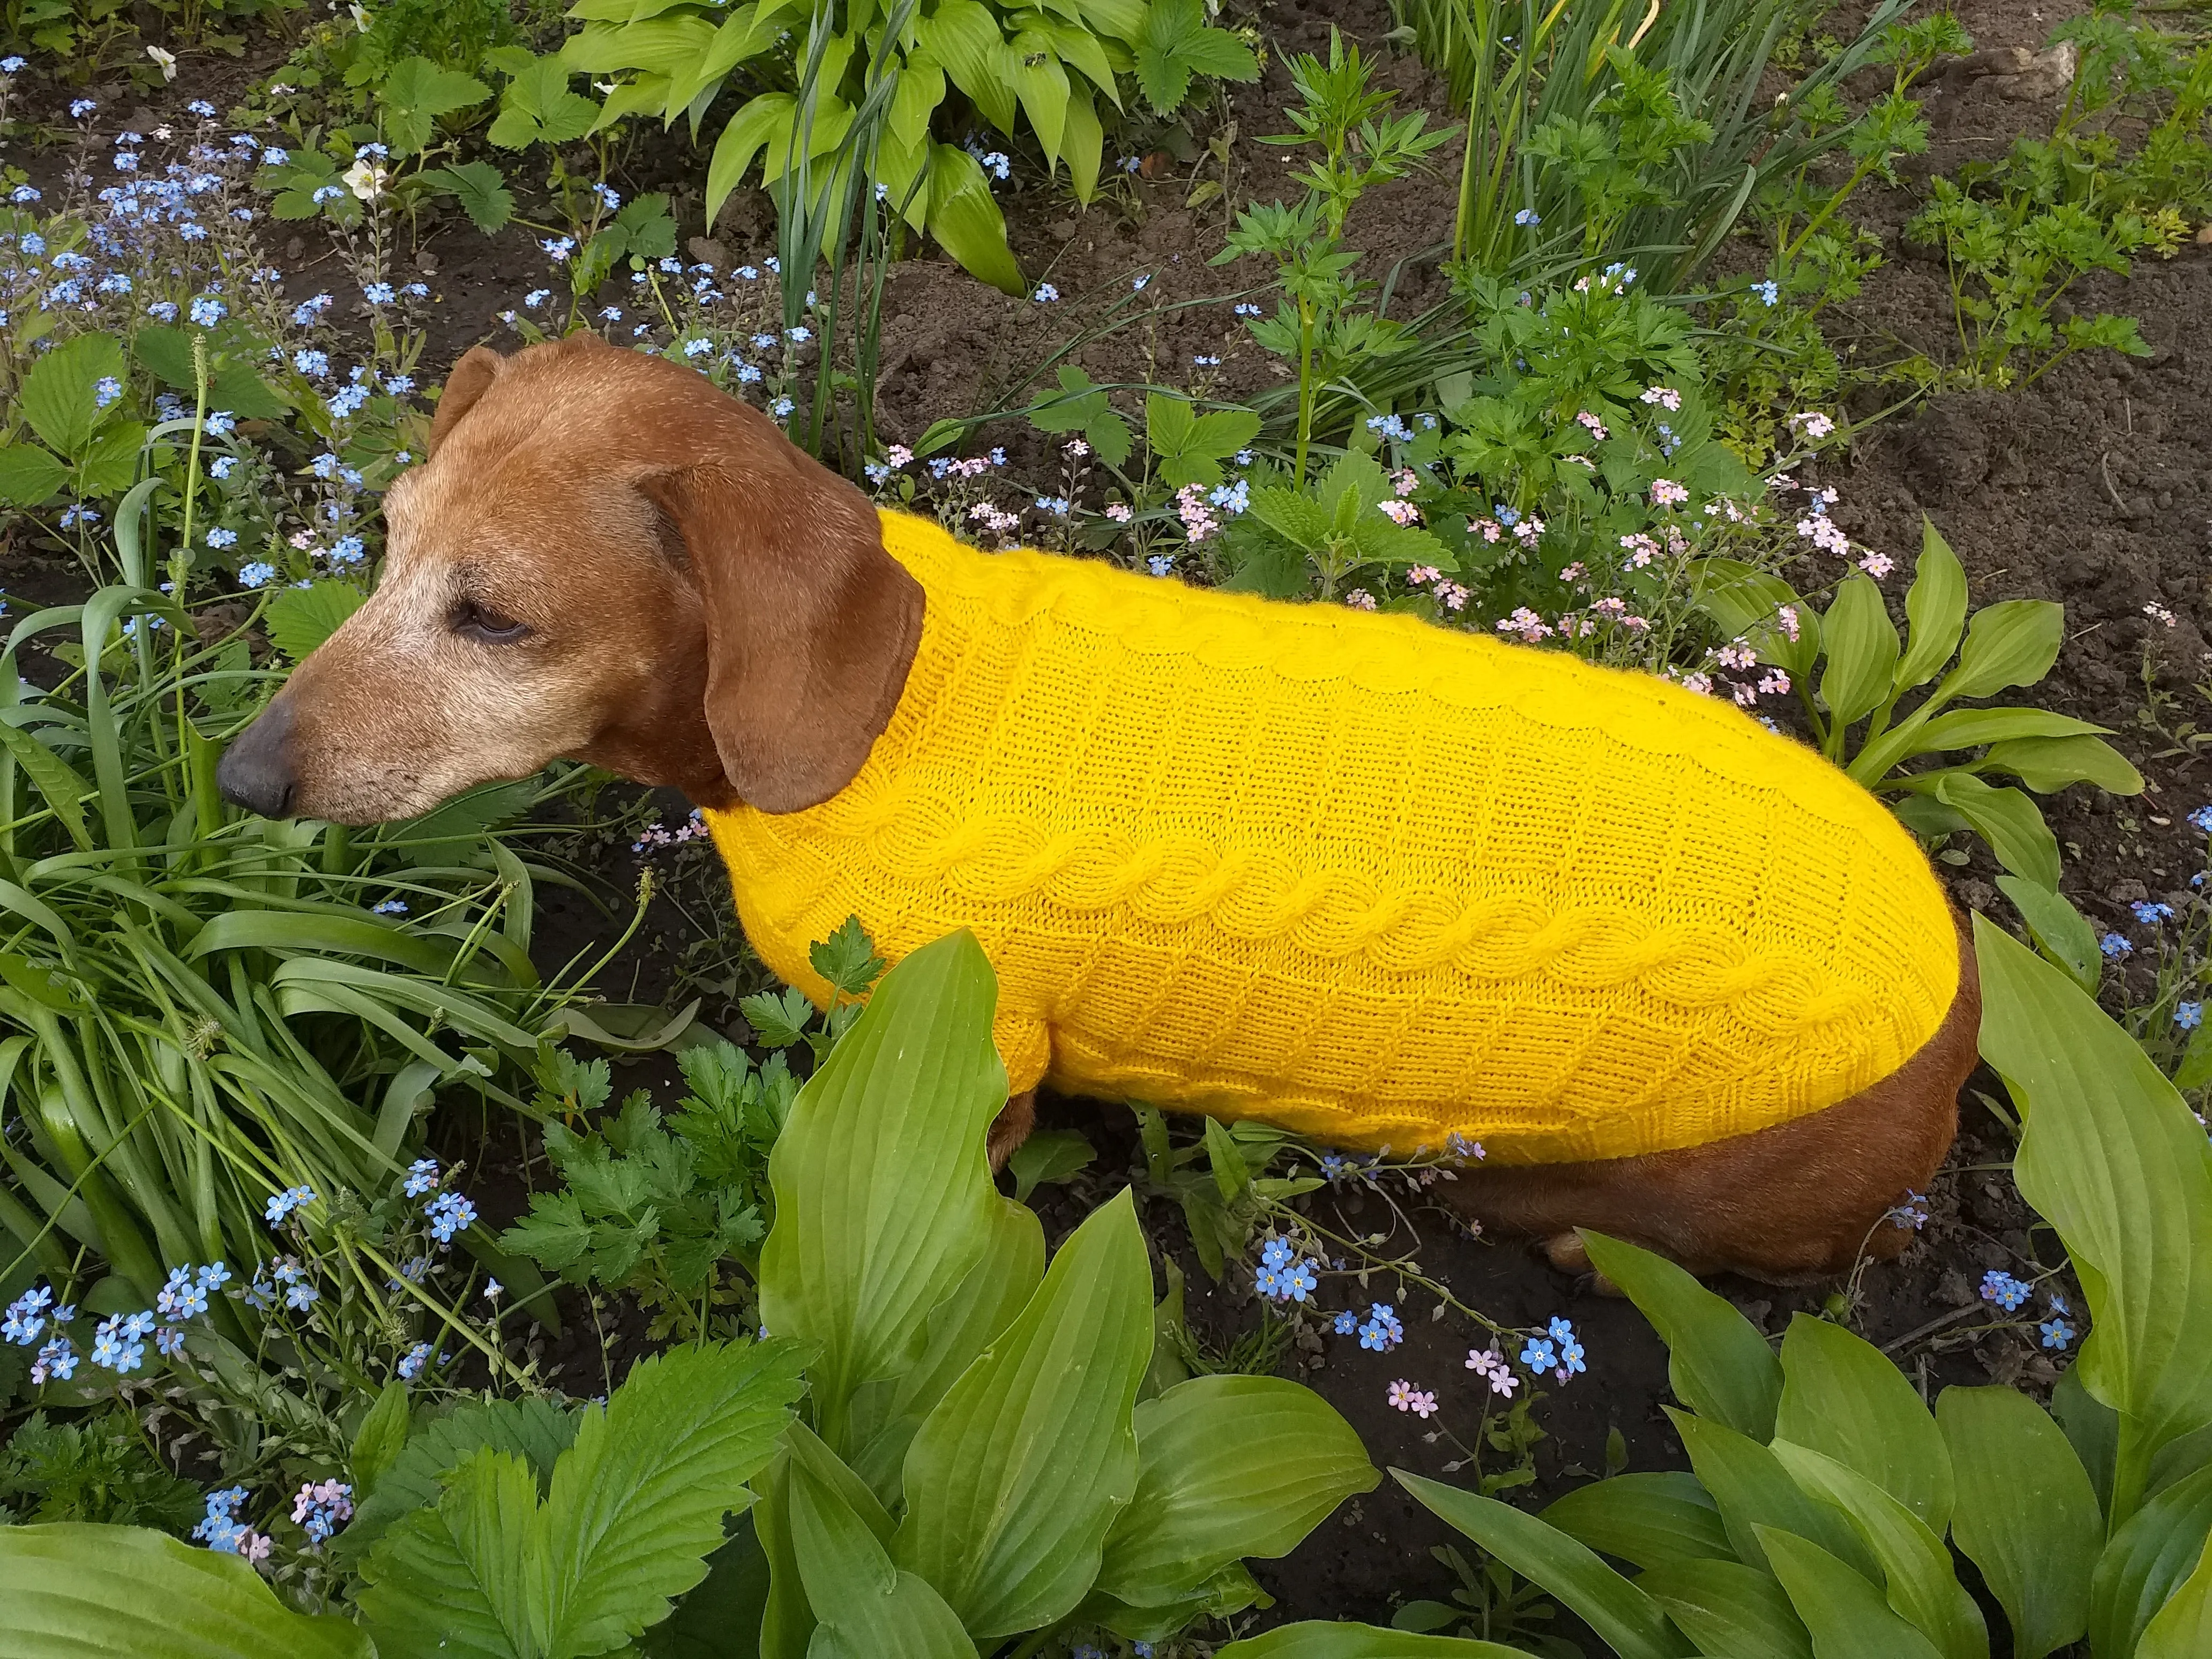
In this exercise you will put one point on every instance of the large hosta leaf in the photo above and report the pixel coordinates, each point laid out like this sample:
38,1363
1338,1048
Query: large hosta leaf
92,1592
2027,1515
1845,1397
882,1194
1228,1467
1015,1478
868,1609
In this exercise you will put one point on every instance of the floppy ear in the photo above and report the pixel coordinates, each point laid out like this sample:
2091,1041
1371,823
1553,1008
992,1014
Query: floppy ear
471,378
811,625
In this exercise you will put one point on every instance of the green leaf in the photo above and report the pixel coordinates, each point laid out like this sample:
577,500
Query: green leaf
57,781
482,191
2012,642
237,388
2146,1560
1228,1468
1187,447
469,1578
750,130
1317,1639
1047,1157
2010,822
1935,610
28,475
1729,1608
1863,649
59,396
380,1438
846,958
1915,1563
1649,1520
166,350
960,35
537,108
2047,765
1717,1361
1015,1478
2183,1628
1177,44
109,464
2026,1515
883,1197
1845,1613
533,1428
867,1608
1842,1396
964,218
2112,1157
1622,1615
722,1619
1753,1492
300,618
2062,932
81,1589
415,93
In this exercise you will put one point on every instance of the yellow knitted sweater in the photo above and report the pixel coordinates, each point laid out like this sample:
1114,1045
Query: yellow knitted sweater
1357,876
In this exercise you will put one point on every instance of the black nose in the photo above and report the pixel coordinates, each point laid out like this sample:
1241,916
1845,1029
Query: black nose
256,770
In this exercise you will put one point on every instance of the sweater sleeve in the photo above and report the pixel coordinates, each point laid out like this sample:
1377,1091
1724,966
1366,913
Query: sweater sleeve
1025,1048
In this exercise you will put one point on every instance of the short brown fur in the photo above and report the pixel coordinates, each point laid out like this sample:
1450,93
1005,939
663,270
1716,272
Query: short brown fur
703,605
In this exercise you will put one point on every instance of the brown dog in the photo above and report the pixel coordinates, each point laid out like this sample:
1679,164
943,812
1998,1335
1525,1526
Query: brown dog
607,560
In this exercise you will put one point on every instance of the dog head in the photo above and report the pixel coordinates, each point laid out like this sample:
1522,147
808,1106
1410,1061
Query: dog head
603,559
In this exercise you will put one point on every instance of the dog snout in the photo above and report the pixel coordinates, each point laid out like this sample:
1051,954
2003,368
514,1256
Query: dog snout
256,772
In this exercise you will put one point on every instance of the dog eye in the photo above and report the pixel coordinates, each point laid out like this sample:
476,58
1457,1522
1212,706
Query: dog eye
481,622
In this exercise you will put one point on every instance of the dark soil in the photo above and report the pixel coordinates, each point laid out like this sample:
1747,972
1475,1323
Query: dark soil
2093,487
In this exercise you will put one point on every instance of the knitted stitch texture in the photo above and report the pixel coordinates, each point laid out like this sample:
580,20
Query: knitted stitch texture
1357,876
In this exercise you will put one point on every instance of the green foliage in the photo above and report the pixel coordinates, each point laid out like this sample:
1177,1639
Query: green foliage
1287,539
200,1009
983,1465
1220,1179
1865,670
1327,319
70,401
1188,448
454,35
1826,1534
127,1590
415,93
96,1469
1039,73
635,1505
654,1210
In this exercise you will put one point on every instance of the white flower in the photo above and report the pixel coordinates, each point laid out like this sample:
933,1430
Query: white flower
365,180
167,60
359,17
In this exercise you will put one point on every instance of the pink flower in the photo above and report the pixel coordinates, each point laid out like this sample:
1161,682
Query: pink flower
1596,426
2160,615
1526,624
1490,1365
252,1546
1576,572
1641,550
1665,492
1400,1395
1489,528
898,455
1700,684
1773,682
1876,564
1077,449
1665,396
1737,656
1815,424
1118,511
1423,1406
1406,481
1360,599
1400,512
1422,573
1787,617
1528,531
1453,595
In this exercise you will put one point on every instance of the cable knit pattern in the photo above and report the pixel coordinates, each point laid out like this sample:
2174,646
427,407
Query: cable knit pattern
1359,876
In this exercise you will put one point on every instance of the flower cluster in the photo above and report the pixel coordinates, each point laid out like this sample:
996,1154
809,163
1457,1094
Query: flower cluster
1283,1276
656,835
222,1531
1493,1368
1405,1397
1557,1351
2005,1290
323,1509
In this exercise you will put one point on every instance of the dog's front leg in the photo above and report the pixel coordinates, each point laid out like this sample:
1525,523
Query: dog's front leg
1011,1128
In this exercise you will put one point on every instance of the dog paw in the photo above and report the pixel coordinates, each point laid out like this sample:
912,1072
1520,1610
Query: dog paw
1565,1251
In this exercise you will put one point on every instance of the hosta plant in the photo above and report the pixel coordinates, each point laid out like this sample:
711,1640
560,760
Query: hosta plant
1825,1501
977,1462
1039,71
1848,665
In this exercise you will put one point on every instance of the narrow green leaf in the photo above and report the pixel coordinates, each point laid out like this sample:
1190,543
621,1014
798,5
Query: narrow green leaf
2025,1514
80,1588
1935,610
1967,728
1863,651
883,1196
1228,1468
380,1438
1845,1613
2009,821
1048,1157
1843,1396
1717,1361
1729,1609
1649,1520
2047,765
1621,1614
2146,1562
2183,1627
57,781
1015,1478
1916,1564
2062,932
868,1609
1753,1491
